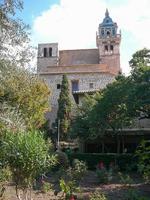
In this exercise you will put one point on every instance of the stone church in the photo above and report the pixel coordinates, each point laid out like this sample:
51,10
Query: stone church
88,70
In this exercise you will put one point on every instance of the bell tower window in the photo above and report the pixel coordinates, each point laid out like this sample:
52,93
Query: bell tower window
108,33
106,48
102,31
113,32
50,52
111,47
45,52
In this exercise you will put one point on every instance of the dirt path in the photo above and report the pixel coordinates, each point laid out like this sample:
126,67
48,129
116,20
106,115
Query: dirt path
90,183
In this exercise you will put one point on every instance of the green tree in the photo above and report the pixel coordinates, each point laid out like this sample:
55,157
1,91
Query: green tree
109,110
80,125
28,156
64,108
109,114
14,39
119,103
112,108
140,58
140,77
25,93
143,153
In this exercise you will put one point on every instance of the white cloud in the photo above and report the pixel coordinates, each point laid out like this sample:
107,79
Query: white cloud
73,24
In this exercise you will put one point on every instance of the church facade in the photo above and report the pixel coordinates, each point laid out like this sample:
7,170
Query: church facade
88,70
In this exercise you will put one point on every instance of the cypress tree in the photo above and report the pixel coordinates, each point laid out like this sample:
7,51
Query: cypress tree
64,108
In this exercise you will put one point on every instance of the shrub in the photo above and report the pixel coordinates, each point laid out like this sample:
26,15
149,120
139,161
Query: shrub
133,194
5,175
27,155
143,153
125,179
79,169
62,160
68,188
46,187
98,196
74,172
121,160
103,174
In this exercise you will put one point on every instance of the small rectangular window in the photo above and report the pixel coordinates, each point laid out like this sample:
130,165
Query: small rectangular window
111,47
75,85
91,85
50,52
58,86
106,48
45,52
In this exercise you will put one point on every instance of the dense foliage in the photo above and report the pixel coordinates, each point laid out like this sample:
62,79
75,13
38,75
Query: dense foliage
143,153
14,35
140,79
25,93
119,103
64,108
23,103
27,155
123,161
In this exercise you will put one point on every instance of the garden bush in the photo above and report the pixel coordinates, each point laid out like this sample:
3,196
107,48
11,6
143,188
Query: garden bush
143,153
98,196
68,188
123,161
28,156
62,160
103,174
79,169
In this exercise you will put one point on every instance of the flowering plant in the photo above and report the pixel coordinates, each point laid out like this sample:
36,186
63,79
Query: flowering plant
103,174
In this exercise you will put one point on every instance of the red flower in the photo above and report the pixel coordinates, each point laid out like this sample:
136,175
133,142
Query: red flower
101,165
72,197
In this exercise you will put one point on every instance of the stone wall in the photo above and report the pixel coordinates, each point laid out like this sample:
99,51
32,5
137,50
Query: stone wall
99,80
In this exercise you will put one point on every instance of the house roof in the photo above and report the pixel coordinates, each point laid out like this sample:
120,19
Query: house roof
77,69
78,57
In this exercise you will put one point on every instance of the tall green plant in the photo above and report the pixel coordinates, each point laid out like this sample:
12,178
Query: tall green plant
143,153
64,108
28,156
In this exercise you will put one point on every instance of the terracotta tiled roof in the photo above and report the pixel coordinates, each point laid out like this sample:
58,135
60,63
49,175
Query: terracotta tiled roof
93,68
78,56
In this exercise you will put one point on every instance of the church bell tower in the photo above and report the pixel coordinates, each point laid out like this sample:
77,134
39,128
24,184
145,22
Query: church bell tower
108,43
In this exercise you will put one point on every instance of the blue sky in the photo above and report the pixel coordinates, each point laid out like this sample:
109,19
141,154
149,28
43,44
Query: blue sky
33,8
73,23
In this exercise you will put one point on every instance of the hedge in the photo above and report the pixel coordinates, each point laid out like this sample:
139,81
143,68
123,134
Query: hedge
123,161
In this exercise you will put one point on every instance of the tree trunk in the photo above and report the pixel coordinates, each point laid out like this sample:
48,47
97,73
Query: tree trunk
18,193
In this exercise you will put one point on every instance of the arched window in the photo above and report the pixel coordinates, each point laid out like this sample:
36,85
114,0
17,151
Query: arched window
102,31
114,32
108,33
